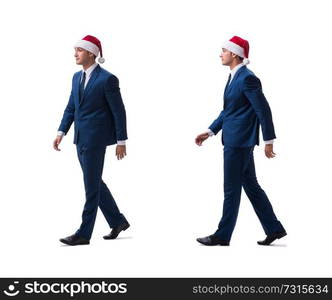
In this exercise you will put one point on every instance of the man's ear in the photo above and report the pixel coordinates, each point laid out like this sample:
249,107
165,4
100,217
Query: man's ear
90,54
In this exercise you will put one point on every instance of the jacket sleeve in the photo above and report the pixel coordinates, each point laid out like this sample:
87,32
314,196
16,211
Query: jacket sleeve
68,115
254,94
216,125
115,103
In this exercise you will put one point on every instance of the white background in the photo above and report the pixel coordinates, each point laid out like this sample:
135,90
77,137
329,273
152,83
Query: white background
165,54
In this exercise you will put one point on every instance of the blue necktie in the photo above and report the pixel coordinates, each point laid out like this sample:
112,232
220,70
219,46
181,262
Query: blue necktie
227,84
82,86
229,79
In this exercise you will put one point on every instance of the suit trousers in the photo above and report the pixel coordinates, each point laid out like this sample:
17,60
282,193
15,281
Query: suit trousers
97,193
239,171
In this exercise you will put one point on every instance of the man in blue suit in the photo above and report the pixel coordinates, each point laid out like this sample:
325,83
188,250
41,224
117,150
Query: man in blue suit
96,108
245,111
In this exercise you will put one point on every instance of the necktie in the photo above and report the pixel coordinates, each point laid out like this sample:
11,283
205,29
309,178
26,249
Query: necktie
229,79
82,86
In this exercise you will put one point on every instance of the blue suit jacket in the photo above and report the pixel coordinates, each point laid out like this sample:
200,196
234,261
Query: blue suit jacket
100,118
245,109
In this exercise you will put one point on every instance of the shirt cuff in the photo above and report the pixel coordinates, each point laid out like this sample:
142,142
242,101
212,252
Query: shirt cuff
61,133
210,132
268,142
121,143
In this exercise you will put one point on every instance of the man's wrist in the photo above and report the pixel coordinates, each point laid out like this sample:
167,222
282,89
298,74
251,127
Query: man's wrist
269,142
121,143
210,132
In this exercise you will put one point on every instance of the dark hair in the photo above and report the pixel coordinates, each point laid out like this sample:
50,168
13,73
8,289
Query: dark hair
240,58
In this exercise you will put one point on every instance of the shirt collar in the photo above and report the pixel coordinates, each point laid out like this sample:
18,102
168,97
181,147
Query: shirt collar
235,69
89,70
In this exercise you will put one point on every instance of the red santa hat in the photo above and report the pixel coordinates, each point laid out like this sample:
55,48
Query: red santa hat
93,45
239,47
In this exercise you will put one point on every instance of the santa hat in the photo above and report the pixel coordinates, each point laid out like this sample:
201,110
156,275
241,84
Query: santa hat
239,47
93,45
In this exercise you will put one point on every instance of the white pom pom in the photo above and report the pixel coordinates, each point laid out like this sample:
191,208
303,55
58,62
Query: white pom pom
101,60
246,61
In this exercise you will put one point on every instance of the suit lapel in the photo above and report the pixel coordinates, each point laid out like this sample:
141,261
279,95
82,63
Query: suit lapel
91,82
77,86
235,77
228,86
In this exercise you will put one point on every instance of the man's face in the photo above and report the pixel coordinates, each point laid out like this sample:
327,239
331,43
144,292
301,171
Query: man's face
226,56
82,56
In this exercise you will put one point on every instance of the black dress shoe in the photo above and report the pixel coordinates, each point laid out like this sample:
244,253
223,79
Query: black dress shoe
74,240
271,238
116,230
211,240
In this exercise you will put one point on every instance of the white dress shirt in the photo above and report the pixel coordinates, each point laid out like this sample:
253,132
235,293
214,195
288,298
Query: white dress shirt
88,72
233,71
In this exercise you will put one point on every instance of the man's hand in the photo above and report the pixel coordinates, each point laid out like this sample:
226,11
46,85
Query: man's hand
269,151
57,142
120,151
201,138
